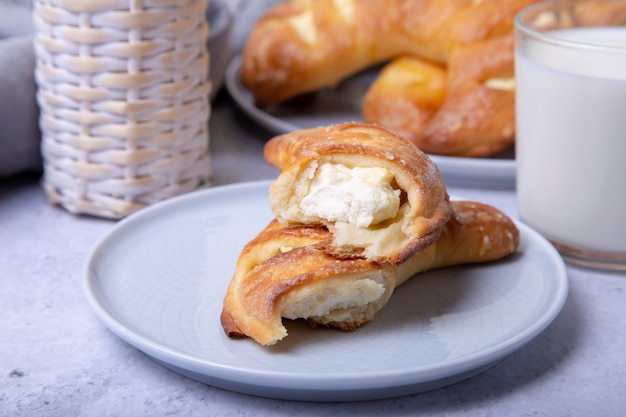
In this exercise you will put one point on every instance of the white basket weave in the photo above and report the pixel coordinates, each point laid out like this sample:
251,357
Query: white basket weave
123,93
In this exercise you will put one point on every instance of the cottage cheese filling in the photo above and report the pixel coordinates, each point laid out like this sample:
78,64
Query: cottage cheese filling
359,196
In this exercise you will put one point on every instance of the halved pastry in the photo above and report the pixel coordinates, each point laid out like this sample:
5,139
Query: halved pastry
285,273
380,196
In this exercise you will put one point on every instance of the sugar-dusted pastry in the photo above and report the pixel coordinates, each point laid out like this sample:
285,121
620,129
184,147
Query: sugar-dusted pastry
381,197
465,109
406,95
284,273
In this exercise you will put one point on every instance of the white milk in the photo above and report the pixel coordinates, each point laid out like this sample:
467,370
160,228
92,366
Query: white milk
571,140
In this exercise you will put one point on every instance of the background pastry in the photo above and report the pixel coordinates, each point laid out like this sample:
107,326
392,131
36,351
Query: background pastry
464,109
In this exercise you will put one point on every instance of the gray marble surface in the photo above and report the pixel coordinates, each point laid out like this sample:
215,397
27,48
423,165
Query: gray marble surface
58,359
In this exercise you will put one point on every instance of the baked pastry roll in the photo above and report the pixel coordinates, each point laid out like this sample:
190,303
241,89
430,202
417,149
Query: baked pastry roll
477,118
284,273
464,109
381,197
405,96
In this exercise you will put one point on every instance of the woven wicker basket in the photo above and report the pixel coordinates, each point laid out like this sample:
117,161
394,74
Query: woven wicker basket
123,94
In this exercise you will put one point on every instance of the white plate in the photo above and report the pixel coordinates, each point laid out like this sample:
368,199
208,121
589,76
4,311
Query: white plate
158,280
342,104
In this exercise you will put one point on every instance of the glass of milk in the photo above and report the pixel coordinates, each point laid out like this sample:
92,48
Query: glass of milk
571,127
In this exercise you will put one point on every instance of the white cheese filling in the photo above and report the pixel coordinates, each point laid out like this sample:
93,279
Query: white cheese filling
359,196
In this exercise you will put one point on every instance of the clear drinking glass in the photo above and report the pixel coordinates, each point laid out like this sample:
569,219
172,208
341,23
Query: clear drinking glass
571,127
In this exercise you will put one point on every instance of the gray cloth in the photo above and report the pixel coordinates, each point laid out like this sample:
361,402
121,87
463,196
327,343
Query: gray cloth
19,113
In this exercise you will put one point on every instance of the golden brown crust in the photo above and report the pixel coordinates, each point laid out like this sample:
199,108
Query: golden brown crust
237,319
424,207
264,288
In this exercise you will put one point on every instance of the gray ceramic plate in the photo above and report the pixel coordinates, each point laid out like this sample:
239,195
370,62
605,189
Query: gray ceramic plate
157,280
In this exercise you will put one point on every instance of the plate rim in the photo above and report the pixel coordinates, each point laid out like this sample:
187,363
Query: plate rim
500,172
311,383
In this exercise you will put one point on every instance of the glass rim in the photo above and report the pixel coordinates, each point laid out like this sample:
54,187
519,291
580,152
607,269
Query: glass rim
555,40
